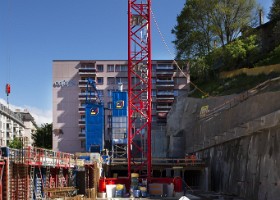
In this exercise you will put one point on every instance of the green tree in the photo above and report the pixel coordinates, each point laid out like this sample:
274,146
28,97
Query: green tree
202,26
239,53
274,10
43,136
16,143
193,34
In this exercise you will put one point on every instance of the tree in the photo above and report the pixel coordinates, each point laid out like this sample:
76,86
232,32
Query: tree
16,143
43,136
193,35
274,10
202,26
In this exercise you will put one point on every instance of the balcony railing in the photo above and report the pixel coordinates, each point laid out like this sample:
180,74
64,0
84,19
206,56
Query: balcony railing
81,109
82,135
165,73
164,93
164,68
163,107
90,71
83,95
82,122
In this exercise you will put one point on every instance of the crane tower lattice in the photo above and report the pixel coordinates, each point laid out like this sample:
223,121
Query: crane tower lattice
139,86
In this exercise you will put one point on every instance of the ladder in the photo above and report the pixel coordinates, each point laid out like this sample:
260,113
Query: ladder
38,187
47,181
61,179
31,182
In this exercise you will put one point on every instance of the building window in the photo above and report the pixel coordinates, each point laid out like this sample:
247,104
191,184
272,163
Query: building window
121,68
109,93
111,80
154,67
109,105
154,93
100,68
99,80
154,80
83,144
121,80
110,68
154,105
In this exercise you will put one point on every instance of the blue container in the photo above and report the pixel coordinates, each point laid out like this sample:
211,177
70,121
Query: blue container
94,127
136,193
144,194
119,193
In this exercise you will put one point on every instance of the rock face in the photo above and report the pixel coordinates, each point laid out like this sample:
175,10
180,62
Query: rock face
238,136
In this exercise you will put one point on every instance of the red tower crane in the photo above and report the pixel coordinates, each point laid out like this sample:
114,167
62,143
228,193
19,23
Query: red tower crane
139,86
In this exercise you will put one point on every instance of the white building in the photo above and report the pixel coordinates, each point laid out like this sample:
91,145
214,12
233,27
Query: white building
13,125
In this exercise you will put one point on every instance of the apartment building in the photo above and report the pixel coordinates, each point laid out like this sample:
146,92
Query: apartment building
13,125
30,126
69,95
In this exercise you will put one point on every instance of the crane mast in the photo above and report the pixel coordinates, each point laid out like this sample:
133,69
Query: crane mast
139,87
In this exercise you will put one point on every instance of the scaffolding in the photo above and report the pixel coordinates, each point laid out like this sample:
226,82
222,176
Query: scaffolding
30,173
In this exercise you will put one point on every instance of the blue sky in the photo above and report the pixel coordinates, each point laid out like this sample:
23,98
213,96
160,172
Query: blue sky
33,33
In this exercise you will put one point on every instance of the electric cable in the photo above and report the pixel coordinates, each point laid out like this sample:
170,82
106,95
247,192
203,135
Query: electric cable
171,55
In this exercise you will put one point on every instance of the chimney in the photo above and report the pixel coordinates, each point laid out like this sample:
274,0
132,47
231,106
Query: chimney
260,17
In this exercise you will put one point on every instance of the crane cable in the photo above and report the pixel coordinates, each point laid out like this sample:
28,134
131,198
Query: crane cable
171,55
8,50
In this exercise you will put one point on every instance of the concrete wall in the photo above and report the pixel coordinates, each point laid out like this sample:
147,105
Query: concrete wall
248,167
240,142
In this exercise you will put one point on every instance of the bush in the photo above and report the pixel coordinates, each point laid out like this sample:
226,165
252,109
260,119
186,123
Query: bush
239,53
272,58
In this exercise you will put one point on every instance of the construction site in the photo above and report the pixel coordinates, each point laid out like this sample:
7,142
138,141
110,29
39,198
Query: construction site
148,139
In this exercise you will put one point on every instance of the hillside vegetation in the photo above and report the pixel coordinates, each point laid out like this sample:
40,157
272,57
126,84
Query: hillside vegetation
215,86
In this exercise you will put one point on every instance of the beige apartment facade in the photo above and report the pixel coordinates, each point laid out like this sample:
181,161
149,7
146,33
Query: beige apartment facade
69,95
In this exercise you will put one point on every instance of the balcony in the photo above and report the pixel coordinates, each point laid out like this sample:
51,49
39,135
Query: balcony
164,73
162,93
82,83
159,107
161,121
165,99
82,135
165,83
82,122
84,95
82,110
87,71
165,68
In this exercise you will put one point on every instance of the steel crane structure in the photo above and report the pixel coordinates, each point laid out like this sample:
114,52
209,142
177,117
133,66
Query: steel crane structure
139,86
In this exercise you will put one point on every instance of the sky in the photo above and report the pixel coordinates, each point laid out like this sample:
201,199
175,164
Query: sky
33,33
